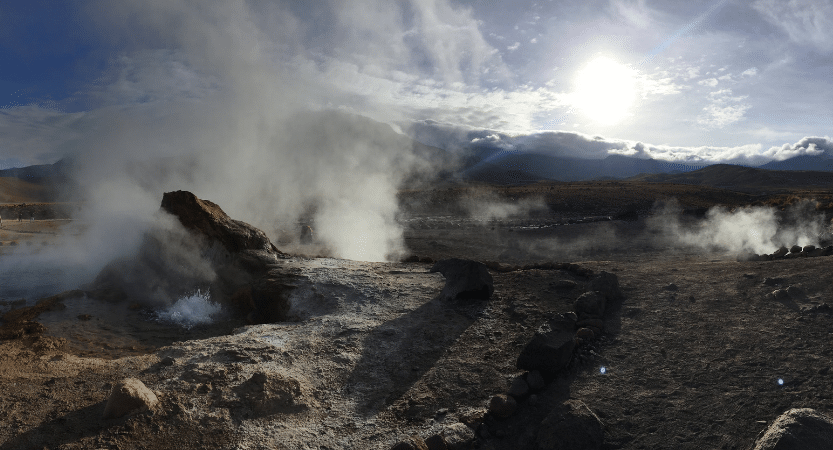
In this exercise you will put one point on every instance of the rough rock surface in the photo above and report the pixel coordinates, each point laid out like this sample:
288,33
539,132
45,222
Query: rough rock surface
128,396
550,349
232,259
606,284
571,426
457,436
411,443
798,429
465,279
590,305
502,405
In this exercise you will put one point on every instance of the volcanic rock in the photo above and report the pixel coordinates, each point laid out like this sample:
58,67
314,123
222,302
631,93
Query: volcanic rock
518,388
502,405
411,443
436,442
798,428
571,426
795,249
606,284
465,279
128,396
457,436
550,349
585,333
781,251
209,220
808,248
590,305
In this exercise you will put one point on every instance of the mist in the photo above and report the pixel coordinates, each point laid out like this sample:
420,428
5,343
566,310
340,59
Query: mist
756,229
486,207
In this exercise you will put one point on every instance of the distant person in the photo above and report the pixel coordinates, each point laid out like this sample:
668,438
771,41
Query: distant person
33,218
20,217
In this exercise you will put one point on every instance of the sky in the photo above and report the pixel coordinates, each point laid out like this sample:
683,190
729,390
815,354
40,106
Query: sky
725,81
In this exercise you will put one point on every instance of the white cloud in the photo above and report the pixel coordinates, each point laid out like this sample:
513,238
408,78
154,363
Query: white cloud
751,72
514,46
711,82
533,41
811,145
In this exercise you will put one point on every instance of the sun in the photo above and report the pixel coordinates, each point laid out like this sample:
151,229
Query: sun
605,90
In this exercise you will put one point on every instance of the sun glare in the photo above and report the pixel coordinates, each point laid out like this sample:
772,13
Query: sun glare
605,90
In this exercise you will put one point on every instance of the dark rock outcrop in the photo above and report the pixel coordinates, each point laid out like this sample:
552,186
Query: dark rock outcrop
798,429
465,279
233,259
550,349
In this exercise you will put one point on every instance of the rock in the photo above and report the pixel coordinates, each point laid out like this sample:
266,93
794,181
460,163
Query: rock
796,292
535,381
781,252
411,443
795,249
457,436
571,426
586,334
607,284
426,260
671,287
519,389
571,316
590,305
208,220
550,349
808,248
465,279
267,393
436,442
816,252
798,429
827,251
411,259
129,396
780,294
773,281
502,405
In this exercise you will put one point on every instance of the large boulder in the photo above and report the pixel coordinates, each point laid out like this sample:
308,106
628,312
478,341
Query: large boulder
129,396
197,246
571,426
550,349
798,429
207,219
465,279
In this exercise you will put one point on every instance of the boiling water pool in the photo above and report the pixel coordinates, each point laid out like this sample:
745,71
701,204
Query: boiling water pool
113,330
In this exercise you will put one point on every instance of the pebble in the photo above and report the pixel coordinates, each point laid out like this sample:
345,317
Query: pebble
519,388
502,405
535,381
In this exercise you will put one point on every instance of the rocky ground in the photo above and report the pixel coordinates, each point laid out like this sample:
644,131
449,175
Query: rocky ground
696,354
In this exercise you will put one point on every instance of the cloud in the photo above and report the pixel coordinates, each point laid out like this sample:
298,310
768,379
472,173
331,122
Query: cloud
724,109
711,82
751,72
811,145
514,46
804,21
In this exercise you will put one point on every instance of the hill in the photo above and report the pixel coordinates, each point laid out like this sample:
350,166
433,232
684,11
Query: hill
743,178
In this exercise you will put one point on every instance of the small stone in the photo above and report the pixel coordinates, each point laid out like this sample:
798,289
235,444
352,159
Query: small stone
795,249
808,248
780,294
436,442
519,388
411,443
781,252
589,305
502,405
671,287
585,334
128,396
535,381
457,436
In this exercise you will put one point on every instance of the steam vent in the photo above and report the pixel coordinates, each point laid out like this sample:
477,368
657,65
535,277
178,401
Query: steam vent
231,258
